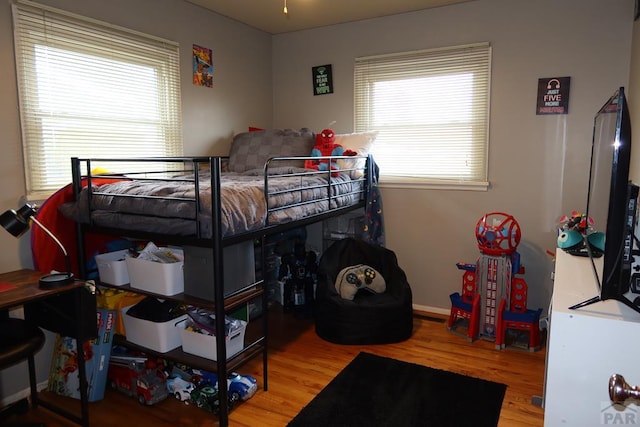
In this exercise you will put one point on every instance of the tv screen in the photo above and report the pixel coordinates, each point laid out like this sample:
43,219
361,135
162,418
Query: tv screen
612,199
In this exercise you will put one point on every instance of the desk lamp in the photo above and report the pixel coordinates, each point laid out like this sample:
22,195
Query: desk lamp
17,223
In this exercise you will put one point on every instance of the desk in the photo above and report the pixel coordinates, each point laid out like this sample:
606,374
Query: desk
66,310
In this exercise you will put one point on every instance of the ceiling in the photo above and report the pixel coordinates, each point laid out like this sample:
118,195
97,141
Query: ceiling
268,16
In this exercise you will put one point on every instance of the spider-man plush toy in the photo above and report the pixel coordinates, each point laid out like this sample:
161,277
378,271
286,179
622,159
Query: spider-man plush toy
326,146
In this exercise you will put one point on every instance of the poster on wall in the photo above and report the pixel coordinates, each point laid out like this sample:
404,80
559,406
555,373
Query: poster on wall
322,79
553,95
202,66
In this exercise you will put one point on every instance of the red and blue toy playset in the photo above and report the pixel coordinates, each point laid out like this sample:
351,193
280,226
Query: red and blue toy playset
493,302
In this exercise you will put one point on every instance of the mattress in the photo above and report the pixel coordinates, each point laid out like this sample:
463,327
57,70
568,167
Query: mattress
177,206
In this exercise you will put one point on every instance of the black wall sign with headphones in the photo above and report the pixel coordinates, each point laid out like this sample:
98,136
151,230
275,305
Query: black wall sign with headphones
553,95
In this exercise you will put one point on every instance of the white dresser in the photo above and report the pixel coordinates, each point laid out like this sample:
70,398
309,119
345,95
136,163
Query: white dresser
586,346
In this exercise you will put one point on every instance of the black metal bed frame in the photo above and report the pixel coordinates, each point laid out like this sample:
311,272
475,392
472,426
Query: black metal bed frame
83,177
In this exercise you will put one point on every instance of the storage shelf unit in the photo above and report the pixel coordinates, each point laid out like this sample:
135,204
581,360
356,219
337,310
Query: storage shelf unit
255,337
255,341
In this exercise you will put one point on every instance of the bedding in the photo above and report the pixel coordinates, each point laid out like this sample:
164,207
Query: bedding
251,150
361,143
169,207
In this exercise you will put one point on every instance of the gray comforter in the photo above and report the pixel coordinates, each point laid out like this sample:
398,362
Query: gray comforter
173,207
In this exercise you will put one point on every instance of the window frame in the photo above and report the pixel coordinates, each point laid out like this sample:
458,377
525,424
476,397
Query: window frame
382,68
68,37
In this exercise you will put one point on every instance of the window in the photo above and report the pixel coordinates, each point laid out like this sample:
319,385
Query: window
90,89
431,109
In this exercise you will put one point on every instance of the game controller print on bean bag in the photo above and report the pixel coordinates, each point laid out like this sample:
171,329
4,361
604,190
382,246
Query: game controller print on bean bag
361,276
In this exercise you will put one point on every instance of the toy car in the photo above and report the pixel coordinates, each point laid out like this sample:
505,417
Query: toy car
180,387
241,387
202,378
206,397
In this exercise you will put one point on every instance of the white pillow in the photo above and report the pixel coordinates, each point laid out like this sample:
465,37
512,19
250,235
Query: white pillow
361,143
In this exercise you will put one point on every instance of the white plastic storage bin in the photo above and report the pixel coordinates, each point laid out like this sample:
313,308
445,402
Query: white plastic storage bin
157,277
204,345
112,268
158,336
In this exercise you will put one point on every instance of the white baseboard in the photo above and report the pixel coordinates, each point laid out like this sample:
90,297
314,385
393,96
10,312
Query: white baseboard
429,309
8,400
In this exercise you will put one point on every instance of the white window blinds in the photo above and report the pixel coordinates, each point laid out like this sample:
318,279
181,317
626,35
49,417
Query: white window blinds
91,89
431,109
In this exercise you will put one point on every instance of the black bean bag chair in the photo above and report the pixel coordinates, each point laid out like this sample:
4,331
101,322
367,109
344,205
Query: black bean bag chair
370,318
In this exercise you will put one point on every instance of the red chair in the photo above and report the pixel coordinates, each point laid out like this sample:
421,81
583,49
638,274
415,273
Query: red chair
518,317
466,306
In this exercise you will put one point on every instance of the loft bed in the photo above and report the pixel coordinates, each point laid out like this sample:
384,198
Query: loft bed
262,186
207,202
194,200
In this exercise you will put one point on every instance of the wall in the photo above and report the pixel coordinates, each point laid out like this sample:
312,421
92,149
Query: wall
241,96
538,165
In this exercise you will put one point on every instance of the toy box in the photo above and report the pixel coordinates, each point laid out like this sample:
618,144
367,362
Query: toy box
158,336
157,277
205,345
63,376
238,266
112,268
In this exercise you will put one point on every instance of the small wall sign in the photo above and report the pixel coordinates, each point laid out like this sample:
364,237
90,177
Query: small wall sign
202,66
553,95
322,79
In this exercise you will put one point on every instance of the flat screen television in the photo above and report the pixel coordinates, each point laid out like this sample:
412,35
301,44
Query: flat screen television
612,201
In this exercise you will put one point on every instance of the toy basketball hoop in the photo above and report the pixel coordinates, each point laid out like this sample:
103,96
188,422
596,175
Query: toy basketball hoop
498,234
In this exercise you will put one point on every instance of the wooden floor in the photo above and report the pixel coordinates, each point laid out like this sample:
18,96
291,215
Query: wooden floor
301,364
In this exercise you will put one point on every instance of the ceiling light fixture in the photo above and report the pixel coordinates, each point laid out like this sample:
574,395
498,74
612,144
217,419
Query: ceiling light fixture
285,10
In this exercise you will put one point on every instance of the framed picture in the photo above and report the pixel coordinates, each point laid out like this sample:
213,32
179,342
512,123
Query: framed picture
323,79
202,66
553,95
